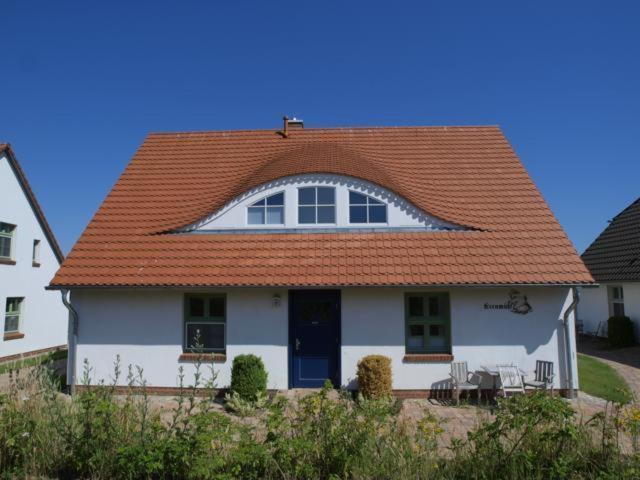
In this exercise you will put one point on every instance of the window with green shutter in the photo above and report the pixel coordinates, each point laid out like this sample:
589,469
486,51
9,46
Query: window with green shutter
205,323
427,325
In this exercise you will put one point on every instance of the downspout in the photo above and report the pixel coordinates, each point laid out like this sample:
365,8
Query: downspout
567,340
73,339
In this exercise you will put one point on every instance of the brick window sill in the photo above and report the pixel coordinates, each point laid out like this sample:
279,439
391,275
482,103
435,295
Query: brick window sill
427,357
203,357
35,264
13,336
7,261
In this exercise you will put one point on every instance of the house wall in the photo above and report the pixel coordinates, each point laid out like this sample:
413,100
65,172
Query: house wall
594,306
44,318
145,328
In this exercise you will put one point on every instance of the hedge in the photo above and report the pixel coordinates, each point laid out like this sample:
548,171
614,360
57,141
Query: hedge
248,377
374,376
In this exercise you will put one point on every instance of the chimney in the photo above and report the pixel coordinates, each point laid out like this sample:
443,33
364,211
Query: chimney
291,124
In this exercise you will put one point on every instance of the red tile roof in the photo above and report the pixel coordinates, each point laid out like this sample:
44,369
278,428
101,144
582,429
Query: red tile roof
31,198
465,175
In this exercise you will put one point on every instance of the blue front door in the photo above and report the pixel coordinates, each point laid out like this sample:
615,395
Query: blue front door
314,318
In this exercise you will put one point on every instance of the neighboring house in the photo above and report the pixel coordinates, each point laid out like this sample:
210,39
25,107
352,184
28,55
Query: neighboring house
34,320
614,261
315,247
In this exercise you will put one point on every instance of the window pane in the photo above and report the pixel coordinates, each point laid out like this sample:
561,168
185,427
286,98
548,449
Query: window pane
326,214
216,307
416,307
373,201
207,336
306,214
196,307
357,198
275,215
11,323
415,340
378,214
277,199
358,214
326,196
259,203
437,340
5,247
307,196
434,306
13,305
256,216
6,228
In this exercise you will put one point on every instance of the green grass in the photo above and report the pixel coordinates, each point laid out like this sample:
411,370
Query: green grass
600,380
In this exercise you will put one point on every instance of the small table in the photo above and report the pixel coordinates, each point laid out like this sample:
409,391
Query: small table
492,370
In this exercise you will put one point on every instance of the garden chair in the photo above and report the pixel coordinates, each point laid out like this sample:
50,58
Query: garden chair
511,379
543,376
462,380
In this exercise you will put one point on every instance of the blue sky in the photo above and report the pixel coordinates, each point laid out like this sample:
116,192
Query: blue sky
82,83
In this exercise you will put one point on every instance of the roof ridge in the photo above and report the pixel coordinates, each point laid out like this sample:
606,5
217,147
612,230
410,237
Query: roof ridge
307,129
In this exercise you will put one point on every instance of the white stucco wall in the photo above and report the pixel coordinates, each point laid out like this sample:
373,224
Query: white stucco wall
594,306
145,328
373,322
400,213
44,318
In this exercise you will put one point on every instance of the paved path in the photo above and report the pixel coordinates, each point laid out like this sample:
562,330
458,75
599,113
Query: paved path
626,361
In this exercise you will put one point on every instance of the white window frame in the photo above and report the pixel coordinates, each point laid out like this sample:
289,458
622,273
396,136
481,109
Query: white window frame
265,206
367,205
616,300
316,205
11,236
13,314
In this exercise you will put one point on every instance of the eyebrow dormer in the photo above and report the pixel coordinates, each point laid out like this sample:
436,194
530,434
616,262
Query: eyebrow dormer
311,202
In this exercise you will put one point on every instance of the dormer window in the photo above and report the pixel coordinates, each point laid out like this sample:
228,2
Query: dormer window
267,211
317,205
366,209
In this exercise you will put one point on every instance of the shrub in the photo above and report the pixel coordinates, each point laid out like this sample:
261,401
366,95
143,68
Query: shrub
374,376
248,377
620,330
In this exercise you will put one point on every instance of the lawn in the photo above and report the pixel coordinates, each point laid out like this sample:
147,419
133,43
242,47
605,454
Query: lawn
600,380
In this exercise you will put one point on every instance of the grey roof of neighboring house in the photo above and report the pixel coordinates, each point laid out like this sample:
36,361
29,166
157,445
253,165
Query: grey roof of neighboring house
615,255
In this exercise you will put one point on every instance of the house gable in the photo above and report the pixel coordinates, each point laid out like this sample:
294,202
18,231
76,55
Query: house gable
18,190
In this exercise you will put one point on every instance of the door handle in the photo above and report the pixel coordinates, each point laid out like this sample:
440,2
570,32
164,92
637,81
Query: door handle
297,344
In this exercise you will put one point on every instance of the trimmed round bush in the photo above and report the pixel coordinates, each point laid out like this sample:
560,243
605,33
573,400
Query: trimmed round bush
248,377
620,331
374,376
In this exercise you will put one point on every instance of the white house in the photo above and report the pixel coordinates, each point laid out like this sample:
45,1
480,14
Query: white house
614,261
35,321
315,247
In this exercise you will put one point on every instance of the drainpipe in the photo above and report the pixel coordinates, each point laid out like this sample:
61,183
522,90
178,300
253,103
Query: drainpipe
567,339
73,339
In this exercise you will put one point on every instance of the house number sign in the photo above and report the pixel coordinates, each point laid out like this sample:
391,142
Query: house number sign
516,302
